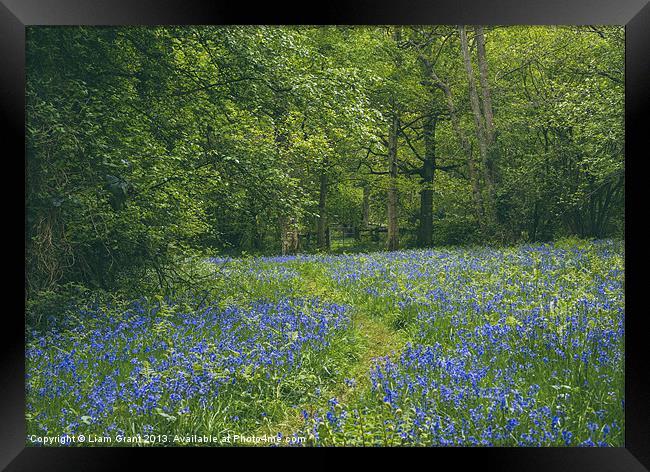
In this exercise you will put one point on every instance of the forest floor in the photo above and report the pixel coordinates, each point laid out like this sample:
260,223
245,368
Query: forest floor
461,346
373,340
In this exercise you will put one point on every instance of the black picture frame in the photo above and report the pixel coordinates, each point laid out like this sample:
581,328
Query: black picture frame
15,15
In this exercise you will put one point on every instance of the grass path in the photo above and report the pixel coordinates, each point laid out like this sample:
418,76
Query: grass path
374,338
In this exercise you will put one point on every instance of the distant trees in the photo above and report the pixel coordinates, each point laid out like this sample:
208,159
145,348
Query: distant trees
146,145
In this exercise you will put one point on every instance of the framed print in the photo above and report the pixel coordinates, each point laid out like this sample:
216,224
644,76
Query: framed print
378,227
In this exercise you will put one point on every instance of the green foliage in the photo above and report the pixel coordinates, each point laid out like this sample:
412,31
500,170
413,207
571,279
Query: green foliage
150,146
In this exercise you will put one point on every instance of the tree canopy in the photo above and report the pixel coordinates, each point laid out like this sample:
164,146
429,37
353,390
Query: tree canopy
149,145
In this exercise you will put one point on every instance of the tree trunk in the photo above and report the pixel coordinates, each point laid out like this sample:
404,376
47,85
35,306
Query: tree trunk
289,228
487,99
365,207
257,239
464,144
488,114
535,223
426,194
479,124
288,223
393,231
321,236
392,242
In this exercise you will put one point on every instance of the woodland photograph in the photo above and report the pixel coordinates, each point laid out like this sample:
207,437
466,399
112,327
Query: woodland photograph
325,236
